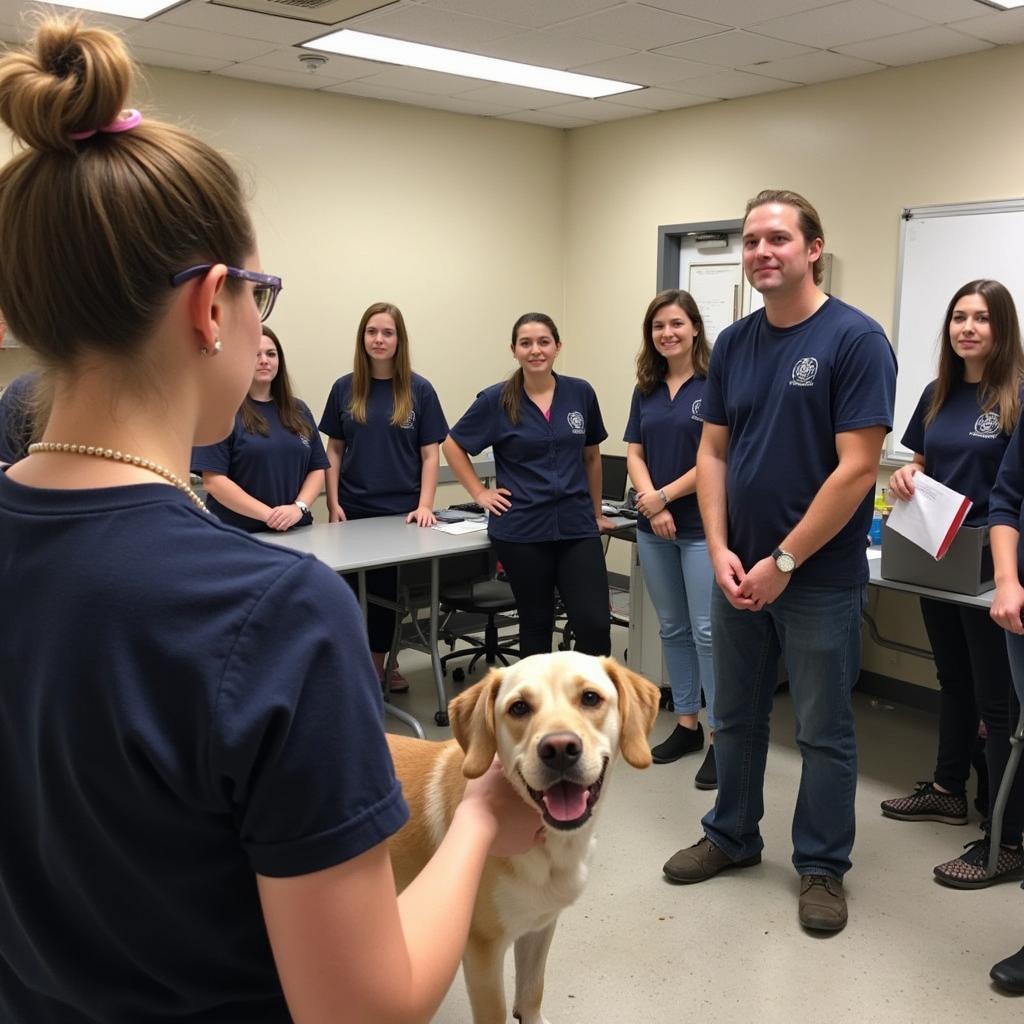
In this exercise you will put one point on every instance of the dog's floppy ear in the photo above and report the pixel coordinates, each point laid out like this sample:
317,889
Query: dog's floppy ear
638,708
472,718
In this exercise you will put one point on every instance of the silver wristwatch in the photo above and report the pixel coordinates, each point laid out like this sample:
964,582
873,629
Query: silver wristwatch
302,506
784,561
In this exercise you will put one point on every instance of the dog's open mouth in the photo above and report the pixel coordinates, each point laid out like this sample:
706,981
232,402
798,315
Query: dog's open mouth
567,805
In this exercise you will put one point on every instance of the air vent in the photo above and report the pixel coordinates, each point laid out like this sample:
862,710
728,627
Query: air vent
324,12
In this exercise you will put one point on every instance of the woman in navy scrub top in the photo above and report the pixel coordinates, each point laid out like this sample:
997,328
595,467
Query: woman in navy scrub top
662,434
385,427
545,512
270,470
959,433
196,785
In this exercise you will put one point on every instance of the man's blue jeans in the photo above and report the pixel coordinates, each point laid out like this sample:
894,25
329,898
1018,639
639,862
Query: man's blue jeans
679,580
817,630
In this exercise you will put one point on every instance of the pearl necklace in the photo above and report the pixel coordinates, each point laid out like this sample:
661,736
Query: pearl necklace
109,453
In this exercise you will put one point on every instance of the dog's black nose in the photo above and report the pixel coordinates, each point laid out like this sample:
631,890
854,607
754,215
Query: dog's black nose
560,750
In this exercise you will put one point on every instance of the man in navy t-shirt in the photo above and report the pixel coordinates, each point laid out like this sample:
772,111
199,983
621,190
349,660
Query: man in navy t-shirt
798,400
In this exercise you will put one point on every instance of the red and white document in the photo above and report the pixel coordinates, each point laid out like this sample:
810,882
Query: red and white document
932,517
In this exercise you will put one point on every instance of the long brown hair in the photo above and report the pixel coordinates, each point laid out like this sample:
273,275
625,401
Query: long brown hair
288,409
401,380
511,393
1003,374
92,230
651,365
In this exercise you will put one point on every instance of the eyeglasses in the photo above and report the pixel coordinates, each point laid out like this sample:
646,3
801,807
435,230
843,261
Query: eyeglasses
265,292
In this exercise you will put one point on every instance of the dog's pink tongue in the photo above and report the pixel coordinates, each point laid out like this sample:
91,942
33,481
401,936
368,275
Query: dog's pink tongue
565,801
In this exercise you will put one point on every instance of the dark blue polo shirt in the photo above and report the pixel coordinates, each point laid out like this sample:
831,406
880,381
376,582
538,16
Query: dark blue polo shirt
669,430
182,707
381,468
784,394
1006,503
962,447
539,460
272,469
16,417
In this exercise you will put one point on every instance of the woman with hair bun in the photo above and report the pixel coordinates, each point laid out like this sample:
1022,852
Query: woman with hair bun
196,782
271,469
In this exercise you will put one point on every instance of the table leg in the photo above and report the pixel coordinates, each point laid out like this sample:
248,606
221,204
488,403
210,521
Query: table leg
435,659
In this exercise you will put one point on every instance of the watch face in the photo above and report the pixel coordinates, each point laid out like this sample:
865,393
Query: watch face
785,561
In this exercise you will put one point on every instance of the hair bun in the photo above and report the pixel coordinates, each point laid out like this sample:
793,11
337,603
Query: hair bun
68,78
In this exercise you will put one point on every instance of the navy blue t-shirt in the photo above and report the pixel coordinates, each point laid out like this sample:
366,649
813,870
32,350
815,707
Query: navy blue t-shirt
962,447
381,468
784,394
272,469
16,417
182,706
1006,503
540,460
669,430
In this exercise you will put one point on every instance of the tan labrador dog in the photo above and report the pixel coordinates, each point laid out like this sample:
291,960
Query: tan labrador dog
557,722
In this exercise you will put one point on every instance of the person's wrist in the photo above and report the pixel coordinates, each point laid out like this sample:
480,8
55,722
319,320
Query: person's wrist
663,496
477,814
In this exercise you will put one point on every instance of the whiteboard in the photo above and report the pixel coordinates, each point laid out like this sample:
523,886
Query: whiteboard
715,287
942,248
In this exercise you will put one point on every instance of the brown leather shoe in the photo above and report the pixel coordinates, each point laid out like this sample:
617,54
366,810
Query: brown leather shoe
822,903
702,861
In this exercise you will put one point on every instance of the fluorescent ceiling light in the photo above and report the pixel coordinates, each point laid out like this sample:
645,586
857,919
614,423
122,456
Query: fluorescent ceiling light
1004,5
138,9
468,65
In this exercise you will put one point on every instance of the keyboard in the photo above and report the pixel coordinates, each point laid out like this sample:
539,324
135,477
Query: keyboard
468,506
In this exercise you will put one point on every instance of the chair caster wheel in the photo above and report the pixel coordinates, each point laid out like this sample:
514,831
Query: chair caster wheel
441,717
458,675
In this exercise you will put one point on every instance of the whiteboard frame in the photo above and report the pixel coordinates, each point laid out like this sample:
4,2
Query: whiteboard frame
891,458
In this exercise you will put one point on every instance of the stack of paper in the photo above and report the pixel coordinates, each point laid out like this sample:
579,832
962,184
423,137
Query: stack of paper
931,518
466,526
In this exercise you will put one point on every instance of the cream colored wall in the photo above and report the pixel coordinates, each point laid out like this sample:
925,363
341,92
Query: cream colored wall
861,149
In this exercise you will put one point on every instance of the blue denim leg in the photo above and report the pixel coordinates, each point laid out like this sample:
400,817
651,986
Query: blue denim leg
1015,650
678,577
819,631
746,656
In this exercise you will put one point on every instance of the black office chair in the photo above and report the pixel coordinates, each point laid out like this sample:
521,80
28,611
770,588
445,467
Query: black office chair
483,596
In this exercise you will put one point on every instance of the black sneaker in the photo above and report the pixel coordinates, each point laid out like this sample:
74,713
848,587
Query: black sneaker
682,741
970,870
926,803
707,773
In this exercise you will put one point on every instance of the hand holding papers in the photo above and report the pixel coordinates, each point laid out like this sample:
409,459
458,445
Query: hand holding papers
931,518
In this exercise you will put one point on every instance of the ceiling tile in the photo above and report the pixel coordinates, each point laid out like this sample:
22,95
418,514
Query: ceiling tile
454,104
433,26
914,47
644,69
182,61
597,110
277,76
434,83
1006,27
822,66
517,97
531,13
734,49
642,28
661,99
233,22
849,22
939,11
552,48
340,68
738,13
549,120
728,85
175,39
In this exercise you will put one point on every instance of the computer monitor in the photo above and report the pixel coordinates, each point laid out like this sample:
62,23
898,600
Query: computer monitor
613,477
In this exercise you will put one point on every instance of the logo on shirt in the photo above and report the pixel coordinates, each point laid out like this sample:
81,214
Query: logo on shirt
576,422
986,425
410,422
304,440
804,372
695,411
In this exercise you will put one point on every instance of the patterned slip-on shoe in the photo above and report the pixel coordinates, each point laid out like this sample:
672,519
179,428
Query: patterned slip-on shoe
926,803
970,869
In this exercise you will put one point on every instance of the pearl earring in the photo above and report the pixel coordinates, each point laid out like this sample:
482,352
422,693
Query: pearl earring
216,348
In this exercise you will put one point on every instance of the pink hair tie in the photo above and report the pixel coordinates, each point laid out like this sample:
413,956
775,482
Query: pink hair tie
124,122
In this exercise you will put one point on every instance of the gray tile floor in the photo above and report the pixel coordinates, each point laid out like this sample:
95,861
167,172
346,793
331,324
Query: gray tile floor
637,949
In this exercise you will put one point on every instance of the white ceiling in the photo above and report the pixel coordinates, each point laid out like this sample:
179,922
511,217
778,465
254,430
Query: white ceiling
686,52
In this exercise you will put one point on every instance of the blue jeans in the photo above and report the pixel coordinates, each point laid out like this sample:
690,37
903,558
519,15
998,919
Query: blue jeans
817,630
678,576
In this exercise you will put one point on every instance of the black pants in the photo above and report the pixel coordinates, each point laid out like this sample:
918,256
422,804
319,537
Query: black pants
576,568
380,622
974,677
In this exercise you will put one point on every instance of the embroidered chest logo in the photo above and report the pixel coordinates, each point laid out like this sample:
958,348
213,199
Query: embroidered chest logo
695,411
410,422
804,372
304,440
986,425
576,422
